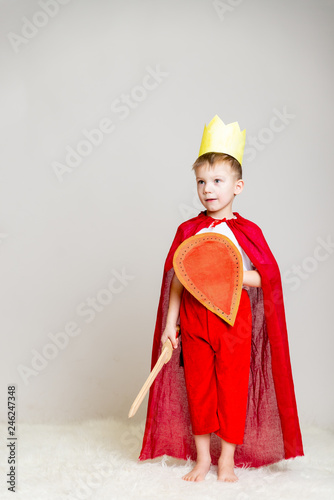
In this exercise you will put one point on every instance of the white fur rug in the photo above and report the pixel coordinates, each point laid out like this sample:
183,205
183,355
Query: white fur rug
98,460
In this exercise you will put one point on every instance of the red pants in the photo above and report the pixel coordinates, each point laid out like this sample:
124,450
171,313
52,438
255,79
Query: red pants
216,360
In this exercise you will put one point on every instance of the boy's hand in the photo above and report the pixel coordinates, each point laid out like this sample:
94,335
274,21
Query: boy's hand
170,333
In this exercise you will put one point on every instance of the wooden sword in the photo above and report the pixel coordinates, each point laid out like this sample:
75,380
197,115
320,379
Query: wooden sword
165,356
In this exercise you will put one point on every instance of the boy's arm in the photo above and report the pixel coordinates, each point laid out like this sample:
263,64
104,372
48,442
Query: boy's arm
252,278
175,295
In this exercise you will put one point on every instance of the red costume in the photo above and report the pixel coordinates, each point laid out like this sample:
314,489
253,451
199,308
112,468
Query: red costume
216,370
271,430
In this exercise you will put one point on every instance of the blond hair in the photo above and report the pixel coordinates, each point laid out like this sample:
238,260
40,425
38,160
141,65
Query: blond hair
212,158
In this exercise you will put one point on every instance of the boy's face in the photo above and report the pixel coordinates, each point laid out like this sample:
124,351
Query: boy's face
216,187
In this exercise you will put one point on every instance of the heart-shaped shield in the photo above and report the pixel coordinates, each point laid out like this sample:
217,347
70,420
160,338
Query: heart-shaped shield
210,267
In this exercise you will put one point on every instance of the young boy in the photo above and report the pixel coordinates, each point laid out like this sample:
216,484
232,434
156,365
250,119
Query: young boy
229,399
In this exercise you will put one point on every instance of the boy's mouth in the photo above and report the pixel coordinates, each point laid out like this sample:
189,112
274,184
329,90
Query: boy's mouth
211,199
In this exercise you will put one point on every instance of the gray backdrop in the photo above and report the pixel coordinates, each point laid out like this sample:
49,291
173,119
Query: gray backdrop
103,105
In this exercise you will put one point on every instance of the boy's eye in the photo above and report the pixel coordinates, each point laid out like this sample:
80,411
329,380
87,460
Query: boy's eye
217,180
199,182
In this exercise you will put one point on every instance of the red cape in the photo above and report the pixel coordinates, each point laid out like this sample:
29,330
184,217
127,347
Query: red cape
272,431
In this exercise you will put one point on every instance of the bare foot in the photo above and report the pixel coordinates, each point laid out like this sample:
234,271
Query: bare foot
199,471
226,471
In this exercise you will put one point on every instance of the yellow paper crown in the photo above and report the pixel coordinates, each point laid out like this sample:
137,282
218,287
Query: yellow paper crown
221,138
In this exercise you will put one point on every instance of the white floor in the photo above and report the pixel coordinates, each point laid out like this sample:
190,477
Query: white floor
98,460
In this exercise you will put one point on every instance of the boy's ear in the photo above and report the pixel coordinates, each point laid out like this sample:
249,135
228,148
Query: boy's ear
239,186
